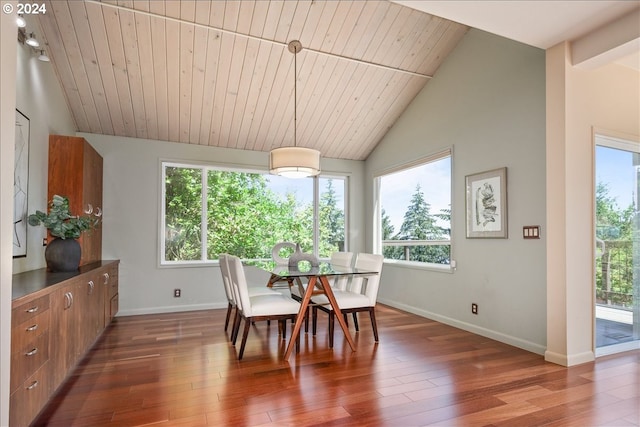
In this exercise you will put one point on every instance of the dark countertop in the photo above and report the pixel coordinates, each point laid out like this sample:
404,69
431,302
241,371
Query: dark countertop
35,280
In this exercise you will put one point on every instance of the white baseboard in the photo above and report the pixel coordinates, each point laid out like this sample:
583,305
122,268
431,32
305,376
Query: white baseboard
569,359
170,309
498,336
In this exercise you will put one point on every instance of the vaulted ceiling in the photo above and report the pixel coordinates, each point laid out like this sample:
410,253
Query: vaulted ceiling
219,73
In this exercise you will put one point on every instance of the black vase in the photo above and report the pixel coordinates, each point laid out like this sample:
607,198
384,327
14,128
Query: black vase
63,255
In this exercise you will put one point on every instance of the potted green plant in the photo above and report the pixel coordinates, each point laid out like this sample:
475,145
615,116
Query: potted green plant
63,253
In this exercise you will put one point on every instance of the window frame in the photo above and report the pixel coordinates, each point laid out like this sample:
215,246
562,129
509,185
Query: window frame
206,166
377,218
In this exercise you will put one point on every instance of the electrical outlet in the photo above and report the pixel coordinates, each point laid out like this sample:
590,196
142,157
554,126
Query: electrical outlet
474,308
176,293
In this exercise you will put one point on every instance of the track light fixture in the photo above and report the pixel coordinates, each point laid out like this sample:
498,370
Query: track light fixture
43,56
32,41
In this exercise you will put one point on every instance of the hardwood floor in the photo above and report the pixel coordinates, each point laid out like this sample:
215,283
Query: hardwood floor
179,369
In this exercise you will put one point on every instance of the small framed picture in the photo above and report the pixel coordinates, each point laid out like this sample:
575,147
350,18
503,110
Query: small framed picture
487,204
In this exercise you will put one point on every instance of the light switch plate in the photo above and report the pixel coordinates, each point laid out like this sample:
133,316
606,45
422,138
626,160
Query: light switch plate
531,232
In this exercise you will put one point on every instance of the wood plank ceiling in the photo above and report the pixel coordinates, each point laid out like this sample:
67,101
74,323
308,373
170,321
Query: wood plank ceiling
219,73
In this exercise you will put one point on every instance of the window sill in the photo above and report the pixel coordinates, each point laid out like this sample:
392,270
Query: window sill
440,268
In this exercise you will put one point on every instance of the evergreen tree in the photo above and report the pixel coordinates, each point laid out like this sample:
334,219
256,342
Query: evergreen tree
390,252
331,222
419,224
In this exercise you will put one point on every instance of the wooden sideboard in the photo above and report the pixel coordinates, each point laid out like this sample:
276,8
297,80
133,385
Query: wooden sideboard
56,318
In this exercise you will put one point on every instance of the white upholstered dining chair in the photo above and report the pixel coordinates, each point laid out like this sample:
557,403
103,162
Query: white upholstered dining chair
273,306
254,290
360,295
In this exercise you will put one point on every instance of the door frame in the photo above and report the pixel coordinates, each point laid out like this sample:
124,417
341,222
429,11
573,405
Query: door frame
620,141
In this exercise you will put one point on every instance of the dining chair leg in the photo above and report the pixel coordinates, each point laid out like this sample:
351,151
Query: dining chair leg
284,329
314,320
236,327
355,320
245,334
332,318
374,325
226,320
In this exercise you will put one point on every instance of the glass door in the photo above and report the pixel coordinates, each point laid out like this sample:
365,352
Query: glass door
617,235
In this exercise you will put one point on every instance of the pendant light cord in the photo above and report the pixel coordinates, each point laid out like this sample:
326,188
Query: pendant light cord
295,97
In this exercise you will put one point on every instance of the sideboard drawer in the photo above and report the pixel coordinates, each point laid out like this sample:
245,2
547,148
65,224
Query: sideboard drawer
30,309
28,358
30,397
27,331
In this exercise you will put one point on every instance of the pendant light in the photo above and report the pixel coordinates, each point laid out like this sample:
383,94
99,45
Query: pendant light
294,162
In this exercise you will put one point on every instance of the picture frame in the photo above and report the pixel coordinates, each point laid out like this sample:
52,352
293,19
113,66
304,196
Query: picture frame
20,184
486,202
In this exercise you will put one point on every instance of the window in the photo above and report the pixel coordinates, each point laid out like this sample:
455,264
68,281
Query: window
208,211
414,220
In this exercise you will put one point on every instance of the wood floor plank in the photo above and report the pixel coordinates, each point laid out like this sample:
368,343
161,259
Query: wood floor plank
179,369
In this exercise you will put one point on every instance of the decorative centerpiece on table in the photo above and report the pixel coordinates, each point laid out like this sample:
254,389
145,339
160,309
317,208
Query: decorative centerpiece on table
63,253
302,261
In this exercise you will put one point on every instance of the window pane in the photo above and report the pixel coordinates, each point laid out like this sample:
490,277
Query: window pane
248,213
183,213
416,213
293,218
332,208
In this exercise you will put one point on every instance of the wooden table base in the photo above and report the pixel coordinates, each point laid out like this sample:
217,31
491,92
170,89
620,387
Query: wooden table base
309,292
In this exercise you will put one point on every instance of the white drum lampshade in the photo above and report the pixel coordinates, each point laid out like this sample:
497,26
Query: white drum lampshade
294,162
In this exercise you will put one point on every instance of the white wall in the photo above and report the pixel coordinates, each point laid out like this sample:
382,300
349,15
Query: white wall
7,125
487,101
131,202
606,99
40,98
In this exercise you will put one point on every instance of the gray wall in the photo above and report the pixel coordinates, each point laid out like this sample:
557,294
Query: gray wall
487,101
40,98
131,199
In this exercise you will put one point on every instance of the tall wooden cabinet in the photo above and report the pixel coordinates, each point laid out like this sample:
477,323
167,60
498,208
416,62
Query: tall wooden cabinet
75,171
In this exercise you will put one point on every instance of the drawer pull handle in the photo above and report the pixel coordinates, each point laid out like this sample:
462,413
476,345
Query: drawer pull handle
32,352
32,328
32,309
91,285
33,385
106,278
68,297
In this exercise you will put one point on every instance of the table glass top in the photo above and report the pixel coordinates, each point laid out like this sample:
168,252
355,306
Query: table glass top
306,270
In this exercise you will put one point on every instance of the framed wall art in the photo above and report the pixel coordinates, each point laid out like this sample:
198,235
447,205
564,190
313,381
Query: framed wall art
20,185
487,204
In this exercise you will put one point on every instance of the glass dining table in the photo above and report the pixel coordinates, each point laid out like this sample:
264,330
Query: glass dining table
318,283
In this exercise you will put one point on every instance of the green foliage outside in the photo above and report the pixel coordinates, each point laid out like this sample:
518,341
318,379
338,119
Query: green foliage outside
615,230
418,224
244,217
